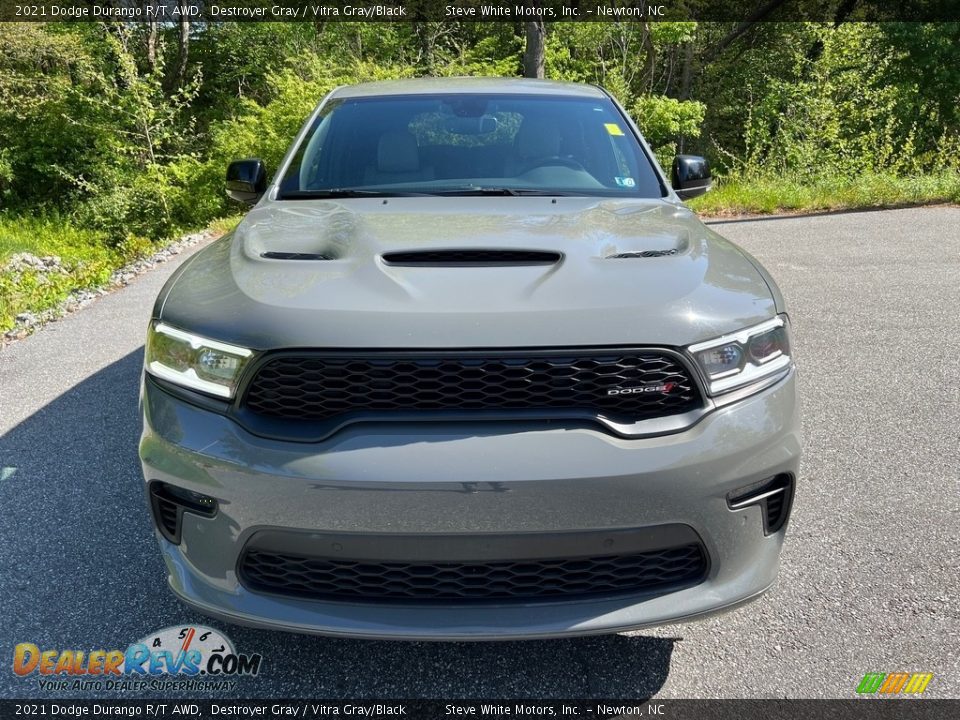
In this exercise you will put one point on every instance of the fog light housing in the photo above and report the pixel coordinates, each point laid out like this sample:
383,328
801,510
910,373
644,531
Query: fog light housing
169,503
774,496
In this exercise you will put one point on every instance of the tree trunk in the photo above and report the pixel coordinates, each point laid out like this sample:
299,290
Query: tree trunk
687,77
180,75
426,41
650,58
152,45
533,54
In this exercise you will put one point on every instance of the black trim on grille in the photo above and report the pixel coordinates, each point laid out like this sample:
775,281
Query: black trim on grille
469,258
301,394
291,564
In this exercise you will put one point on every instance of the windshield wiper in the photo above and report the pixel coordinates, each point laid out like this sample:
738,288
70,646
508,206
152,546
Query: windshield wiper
345,193
470,191
466,191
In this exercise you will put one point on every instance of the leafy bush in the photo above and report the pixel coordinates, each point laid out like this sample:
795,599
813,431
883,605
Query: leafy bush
837,102
262,131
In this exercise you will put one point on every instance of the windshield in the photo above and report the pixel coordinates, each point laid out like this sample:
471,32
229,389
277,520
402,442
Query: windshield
470,144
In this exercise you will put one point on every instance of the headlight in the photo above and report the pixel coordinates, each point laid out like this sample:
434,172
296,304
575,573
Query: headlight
746,357
193,361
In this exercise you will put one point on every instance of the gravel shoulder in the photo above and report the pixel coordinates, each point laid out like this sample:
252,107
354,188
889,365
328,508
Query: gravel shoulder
29,322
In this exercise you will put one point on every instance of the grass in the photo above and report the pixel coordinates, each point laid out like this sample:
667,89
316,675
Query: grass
49,236
224,225
767,195
86,256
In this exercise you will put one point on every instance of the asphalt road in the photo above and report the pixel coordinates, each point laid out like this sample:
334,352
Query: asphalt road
870,573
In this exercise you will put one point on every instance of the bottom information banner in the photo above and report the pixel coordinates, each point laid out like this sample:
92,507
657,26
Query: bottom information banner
894,709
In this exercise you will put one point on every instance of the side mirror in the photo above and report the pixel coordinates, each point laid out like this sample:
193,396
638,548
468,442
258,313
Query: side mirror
246,180
690,176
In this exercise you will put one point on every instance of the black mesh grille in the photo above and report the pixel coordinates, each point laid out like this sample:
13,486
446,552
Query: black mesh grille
774,509
324,578
472,257
644,385
166,512
777,507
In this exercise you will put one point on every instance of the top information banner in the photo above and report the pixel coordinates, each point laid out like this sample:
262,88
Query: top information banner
741,11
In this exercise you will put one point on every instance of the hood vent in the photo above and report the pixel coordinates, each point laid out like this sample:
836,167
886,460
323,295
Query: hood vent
642,254
471,258
273,255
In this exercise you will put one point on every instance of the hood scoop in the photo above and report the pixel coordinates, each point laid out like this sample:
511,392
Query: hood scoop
471,258
643,254
275,255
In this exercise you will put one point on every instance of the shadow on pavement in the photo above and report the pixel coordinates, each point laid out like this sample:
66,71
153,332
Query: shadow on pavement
80,569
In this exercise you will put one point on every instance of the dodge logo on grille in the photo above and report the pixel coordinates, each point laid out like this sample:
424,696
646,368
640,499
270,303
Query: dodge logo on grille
659,387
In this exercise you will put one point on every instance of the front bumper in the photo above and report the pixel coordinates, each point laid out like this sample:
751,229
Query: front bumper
459,479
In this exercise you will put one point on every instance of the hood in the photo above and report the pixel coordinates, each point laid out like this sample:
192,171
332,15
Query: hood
608,272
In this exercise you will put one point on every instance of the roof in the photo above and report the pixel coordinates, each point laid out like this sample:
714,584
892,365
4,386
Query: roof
481,85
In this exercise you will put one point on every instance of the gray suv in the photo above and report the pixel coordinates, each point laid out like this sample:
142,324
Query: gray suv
469,369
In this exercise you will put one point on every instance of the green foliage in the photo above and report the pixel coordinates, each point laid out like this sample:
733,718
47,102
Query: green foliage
665,121
496,55
629,59
262,131
836,101
88,131
662,119
130,191
49,235
109,143
39,72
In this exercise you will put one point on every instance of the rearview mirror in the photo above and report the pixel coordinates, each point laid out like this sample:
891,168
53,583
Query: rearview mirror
481,125
690,176
246,180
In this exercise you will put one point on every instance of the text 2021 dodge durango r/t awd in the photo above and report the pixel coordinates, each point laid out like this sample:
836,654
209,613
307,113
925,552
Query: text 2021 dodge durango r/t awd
469,369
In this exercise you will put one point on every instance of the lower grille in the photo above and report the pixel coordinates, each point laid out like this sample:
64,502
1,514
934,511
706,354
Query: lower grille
775,512
167,514
623,386
338,579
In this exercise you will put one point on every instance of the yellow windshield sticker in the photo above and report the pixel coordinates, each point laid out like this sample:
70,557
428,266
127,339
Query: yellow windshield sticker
613,128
